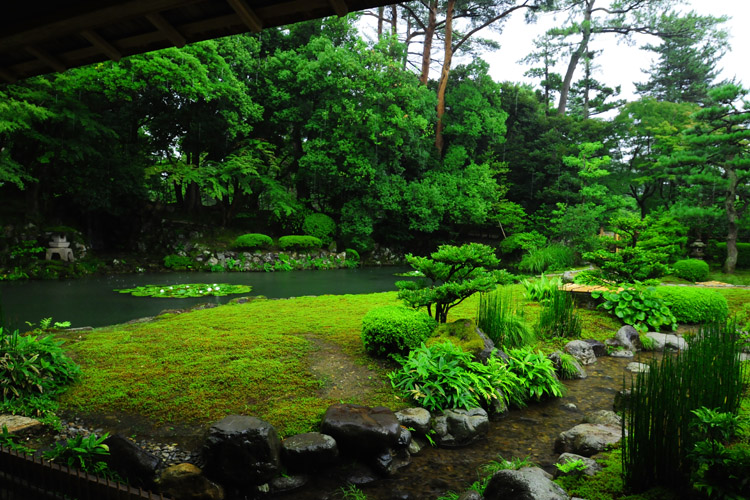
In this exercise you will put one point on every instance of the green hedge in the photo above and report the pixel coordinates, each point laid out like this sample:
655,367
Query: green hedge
694,305
299,242
253,240
717,252
321,226
691,269
395,330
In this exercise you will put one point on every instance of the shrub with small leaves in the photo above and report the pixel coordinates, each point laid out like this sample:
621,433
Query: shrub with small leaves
178,262
321,226
298,242
691,269
83,453
395,330
252,240
694,305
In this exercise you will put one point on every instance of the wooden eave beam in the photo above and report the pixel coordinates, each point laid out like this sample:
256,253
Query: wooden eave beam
46,58
339,7
103,45
166,29
248,16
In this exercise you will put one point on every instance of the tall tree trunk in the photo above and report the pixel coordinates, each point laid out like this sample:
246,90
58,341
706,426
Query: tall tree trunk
394,20
448,55
381,13
587,87
575,58
429,34
732,228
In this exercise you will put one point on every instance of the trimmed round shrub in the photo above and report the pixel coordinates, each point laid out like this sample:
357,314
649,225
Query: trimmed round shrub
299,242
352,254
691,269
694,305
321,226
395,330
253,240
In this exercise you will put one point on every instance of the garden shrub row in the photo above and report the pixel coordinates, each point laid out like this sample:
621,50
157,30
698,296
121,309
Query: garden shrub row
252,241
694,305
691,269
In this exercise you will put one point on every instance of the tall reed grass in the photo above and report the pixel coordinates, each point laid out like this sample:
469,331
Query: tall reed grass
502,320
554,257
558,316
658,440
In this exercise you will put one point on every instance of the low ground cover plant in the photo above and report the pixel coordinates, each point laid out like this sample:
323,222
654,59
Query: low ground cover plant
694,305
252,241
84,453
299,242
395,330
691,269
639,306
539,290
536,374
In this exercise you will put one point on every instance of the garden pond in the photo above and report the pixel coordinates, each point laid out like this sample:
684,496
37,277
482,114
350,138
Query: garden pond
92,301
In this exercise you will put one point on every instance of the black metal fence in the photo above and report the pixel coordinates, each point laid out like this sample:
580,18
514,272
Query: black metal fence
24,477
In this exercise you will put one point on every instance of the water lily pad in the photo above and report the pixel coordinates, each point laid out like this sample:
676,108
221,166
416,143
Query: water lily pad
184,291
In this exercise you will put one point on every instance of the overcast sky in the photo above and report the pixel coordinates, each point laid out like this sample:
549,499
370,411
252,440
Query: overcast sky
621,64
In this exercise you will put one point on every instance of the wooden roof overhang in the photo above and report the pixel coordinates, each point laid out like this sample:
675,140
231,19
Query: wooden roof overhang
56,36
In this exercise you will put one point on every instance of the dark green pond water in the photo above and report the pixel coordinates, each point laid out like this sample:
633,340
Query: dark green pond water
91,301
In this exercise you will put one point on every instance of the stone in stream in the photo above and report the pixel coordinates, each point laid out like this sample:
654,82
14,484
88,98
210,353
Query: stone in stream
591,467
627,336
309,451
186,482
529,483
242,451
667,341
603,417
635,367
360,430
131,461
587,439
417,419
20,426
459,427
599,348
582,351
556,358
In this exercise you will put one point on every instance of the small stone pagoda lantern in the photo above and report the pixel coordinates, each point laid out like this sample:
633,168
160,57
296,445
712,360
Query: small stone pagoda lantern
61,247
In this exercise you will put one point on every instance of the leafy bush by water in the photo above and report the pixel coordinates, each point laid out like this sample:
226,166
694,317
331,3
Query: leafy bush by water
178,262
691,269
444,376
299,242
395,330
252,240
320,226
536,374
694,305
658,443
502,320
84,453
638,306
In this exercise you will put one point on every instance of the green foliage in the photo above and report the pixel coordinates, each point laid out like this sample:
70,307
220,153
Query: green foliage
352,492
252,241
578,225
184,291
321,226
718,251
558,317
502,320
536,374
605,485
571,467
719,470
658,443
299,242
647,343
555,257
395,330
31,365
444,376
454,274
461,333
638,306
178,262
540,290
694,305
9,441
691,269
84,453
527,241
352,255
568,366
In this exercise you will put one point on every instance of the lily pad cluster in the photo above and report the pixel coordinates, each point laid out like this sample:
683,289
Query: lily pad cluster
184,291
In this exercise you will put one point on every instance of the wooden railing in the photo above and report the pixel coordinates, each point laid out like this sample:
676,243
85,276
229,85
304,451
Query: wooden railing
23,477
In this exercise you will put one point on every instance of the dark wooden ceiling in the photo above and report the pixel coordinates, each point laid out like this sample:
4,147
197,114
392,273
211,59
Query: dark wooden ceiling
36,40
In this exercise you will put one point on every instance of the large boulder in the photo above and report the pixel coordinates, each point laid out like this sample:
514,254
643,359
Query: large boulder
627,336
600,349
186,482
529,483
587,439
459,427
556,358
589,466
309,451
582,351
667,341
360,430
603,417
417,419
242,451
131,461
